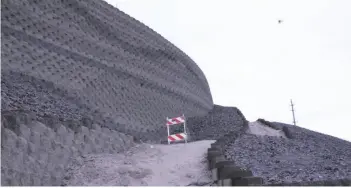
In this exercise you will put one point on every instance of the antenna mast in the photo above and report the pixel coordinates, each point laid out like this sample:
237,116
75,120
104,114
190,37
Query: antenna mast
293,112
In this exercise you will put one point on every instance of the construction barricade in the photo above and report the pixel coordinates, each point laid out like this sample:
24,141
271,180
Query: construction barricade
177,121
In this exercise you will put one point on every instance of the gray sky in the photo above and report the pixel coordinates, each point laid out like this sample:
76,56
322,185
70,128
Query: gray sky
258,65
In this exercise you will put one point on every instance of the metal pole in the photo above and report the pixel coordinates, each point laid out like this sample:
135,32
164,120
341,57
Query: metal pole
293,112
186,135
167,130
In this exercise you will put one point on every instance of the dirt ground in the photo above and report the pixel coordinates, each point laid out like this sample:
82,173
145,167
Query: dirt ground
144,165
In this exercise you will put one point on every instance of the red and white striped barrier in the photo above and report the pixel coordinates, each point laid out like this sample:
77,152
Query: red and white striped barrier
177,136
175,121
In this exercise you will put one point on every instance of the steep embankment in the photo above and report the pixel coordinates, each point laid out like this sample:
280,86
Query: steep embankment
301,156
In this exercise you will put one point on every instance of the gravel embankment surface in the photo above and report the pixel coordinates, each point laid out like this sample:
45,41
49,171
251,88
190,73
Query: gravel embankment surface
302,157
219,121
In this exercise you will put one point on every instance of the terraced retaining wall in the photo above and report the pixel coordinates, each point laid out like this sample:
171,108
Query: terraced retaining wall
77,58
34,153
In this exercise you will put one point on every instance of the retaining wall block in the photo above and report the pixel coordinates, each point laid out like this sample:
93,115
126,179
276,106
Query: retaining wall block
22,144
216,146
14,177
38,127
34,179
45,180
24,179
61,133
24,131
221,164
16,159
3,177
68,138
84,130
78,138
247,181
74,152
212,164
106,131
35,138
10,138
96,127
50,134
33,150
29,164
43,156
45,142
232,171
213,153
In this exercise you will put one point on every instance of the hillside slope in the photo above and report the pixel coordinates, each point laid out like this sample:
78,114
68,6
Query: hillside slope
300,156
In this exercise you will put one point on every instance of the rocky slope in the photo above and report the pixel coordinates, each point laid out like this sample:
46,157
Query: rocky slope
303,156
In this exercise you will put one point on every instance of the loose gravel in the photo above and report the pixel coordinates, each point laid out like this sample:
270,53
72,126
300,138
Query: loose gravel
307,156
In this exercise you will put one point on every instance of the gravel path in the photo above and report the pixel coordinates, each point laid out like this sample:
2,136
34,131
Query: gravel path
144,165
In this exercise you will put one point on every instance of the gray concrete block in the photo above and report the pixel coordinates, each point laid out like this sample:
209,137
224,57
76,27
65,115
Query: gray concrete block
213,161
65,155
221,164
78,138
87,149
16,160
225,182
35,179
55,180
56,156
30,165
214,174
45,180
32,150
107,146
83,130
35,138
73,151
232,171
10,138
96,127
13,177
87,122
3,177
247,181
22,144
61,133
44,156
106,131
211,154
50,133
213,150
24,131
45,142
68,139
24,179
38,127
57,171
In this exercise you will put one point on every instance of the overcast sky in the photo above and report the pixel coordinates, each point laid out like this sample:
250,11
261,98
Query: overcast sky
258,65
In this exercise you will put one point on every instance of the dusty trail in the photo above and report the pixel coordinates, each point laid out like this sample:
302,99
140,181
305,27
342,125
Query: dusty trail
146,164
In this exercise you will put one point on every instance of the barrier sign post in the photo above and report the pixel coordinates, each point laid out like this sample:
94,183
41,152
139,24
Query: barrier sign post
178,136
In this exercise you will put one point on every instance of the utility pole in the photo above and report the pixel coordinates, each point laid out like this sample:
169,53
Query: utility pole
293,111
